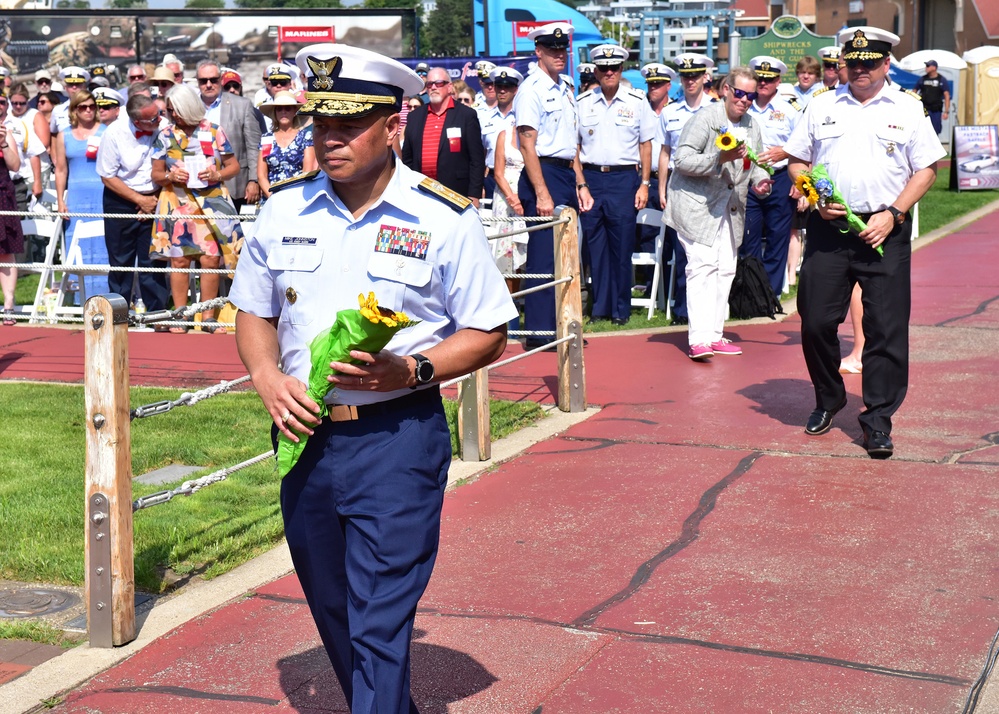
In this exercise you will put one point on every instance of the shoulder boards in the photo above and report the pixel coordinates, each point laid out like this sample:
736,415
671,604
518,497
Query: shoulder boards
913,94
452,198
795,103
300,178
587,93
636,93
821,91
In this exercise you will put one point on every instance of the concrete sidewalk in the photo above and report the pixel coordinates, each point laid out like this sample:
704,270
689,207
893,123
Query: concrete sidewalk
686,549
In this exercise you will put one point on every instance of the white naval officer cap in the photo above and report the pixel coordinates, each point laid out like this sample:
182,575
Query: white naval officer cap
278,71
4,72
483,68
829,55
767,67
692,63
866,43
345,81
74,75
608,55
587,69
554,35
106,98
505,75
654,72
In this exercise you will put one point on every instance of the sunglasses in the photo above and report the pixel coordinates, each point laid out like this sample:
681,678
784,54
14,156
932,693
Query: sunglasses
765,80
232,86
178,75
743,94
437,84
86,107
136,76
209,80
866,64
465,100
505,87
19,104
608,67
163,83
280,83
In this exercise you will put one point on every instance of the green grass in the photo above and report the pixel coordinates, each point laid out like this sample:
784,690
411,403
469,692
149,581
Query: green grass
207,534
27,286
940,205
37,631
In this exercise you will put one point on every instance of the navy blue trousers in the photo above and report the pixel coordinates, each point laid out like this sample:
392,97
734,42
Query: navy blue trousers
834,262
768,229
362,514
128,241
609,231
539,307
673,248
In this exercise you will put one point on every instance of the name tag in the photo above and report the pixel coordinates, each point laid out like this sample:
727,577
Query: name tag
298,240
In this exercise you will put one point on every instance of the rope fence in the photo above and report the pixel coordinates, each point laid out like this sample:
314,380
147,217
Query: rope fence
130,216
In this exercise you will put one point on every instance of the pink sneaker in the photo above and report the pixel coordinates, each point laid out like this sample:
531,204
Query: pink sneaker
725,347
700,352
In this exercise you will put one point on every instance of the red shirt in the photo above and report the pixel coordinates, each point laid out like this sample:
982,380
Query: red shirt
432,137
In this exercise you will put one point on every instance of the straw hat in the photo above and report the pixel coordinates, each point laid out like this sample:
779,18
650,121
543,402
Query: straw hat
281,99
162,74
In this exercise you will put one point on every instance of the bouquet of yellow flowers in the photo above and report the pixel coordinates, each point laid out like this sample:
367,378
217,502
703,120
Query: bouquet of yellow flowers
734,138
368,329
818,188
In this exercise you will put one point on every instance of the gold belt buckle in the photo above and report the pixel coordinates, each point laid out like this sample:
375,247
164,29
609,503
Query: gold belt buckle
342,412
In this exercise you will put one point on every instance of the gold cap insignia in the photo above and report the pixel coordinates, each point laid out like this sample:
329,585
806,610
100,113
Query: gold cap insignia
558,32
291,295
608,52
859,40
765,66
325,71
688,62
503,74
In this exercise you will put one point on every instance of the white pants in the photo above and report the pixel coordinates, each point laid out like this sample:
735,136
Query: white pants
710,270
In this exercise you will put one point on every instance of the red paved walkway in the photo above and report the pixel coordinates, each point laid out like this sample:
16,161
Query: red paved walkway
688,549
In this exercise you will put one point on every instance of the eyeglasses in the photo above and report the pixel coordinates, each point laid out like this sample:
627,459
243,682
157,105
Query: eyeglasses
465,100
232,86
280,83
18,104
163,83
43,81
138,77
866,64
608,67
505,87
743,94
178,75
209,80
437,84
765,80
86,107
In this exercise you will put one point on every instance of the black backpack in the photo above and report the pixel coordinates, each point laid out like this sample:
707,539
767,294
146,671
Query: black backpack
751,294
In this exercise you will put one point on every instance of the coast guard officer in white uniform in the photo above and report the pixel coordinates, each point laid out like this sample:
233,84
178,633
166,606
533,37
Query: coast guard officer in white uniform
362,505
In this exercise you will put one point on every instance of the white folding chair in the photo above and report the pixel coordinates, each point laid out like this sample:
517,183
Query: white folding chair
657,294
50,228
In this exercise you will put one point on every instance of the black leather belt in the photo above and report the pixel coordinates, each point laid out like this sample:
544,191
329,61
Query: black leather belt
782,168
865,217
564,163
610,169
19,179
346,412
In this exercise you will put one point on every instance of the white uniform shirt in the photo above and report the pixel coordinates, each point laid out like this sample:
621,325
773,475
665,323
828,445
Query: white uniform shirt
672,119
59,120
610,131
777,120
493,122
870,150
308,257
22,135
803,95
550,109
213,112
122,155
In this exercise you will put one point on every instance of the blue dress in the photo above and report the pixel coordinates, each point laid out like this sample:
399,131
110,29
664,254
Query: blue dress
85,194
287,162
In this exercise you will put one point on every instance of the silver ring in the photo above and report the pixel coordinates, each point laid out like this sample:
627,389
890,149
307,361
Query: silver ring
360,380
285,417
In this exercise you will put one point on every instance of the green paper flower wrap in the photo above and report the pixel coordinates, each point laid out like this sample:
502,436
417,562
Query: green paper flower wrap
828,193
367,329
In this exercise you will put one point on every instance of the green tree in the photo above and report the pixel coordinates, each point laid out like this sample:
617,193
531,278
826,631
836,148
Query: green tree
309,4
125,4
613,31
206,4
448,30
383,4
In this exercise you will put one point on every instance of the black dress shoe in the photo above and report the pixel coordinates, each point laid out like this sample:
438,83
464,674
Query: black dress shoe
878,444
619,320
679,320
820,421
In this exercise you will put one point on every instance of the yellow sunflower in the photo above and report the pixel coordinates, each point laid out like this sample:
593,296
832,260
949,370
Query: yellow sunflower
726,141
371,310
804,184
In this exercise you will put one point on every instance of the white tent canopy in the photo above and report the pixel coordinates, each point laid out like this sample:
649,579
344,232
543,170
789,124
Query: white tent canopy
916,62
980,54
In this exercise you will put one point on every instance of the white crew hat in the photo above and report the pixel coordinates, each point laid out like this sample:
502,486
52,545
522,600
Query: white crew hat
829,55
554,35
105,97
767,67
692,63
866,43
484,67
655,72
505,75
74,75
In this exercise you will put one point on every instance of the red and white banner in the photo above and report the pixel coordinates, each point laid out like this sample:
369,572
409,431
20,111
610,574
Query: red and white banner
521,29
307,34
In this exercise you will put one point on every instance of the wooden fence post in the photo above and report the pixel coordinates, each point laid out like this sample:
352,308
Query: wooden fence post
473,417
108,554
569,313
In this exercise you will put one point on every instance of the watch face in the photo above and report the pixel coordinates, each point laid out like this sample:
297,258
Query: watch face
425,371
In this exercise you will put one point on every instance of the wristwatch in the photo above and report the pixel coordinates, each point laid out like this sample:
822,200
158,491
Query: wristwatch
424,371
898,215
647,182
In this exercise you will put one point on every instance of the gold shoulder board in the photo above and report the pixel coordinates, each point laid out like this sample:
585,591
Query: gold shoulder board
821,91
300,178
794,103
453,198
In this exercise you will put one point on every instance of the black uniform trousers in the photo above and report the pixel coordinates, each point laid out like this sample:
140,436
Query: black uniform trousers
834,262
128,241
539,307
768,228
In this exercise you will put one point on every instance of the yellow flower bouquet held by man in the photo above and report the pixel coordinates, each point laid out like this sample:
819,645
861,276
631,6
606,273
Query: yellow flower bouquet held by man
734,138
368,329
818,188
